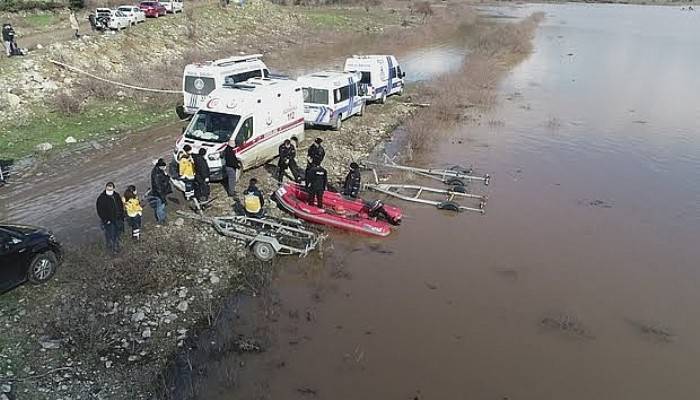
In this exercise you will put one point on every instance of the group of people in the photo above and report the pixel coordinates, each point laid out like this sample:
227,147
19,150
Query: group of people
193,170
315,177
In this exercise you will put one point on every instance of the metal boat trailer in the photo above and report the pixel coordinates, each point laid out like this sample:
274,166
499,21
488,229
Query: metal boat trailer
414,192
267,237
454,176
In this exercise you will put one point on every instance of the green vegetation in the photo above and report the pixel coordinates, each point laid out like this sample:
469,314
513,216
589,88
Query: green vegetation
346,18
95,120
22,5
41,20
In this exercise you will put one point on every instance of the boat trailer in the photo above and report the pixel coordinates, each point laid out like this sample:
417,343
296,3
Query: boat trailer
266,236
453,176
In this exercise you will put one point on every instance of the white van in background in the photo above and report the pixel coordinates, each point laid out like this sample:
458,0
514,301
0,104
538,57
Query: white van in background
381,75
200,79
172,6
255,117
330,97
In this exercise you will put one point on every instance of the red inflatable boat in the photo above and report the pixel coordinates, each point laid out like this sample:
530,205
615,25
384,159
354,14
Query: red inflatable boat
355,215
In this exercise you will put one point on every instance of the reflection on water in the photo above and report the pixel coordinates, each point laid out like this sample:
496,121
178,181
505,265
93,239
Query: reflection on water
428,63
582,279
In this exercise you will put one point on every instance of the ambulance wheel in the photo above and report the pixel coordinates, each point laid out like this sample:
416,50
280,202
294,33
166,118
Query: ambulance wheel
263,251
338,123
382,99
449,206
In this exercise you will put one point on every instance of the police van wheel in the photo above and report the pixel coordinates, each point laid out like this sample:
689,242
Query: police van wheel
362,110
263,251
382,99
400,92
338,123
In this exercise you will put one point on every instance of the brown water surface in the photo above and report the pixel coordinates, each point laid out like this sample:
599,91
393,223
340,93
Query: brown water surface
580,282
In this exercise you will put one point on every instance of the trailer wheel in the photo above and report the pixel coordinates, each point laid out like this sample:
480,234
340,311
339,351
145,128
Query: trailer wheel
449,206
263,251
458,189
461,169
455,182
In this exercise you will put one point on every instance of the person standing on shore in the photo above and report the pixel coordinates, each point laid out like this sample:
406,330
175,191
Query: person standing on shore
287,160
8,36
201,175
160,188
316,152
231,166
110,209
74,26
186,170
134,211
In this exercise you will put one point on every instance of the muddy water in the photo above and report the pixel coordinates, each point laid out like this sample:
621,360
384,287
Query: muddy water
580,282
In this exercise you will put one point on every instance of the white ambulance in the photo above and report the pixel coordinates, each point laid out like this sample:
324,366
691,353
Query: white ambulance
200,79
330,97
381,76
255,117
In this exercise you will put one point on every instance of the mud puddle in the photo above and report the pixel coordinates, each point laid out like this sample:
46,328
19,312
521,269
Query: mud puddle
580,280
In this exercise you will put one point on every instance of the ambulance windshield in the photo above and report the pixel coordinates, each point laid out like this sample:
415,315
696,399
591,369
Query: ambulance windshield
211,126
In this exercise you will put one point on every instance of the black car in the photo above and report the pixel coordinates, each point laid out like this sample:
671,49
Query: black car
27,253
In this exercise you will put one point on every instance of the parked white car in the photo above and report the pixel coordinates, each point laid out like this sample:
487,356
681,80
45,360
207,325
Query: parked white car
173,6
118,20
135,14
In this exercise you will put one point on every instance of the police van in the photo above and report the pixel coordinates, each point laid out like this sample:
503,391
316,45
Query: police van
381,76
330,97
254,117
200,79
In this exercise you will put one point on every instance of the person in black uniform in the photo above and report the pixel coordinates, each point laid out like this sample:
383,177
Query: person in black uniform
351,187
110,209
231,165
316,151
201,175
316,181
287,160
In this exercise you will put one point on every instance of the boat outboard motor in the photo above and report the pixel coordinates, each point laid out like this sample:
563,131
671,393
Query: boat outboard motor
376,209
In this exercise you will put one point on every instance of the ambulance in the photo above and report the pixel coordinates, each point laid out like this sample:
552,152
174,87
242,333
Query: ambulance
200,79
381,76
254,117
331,97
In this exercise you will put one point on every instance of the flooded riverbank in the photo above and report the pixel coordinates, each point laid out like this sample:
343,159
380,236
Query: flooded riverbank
579,282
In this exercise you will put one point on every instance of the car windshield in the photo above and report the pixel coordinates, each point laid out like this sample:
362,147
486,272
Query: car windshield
315,96
211,126
148,4
125,9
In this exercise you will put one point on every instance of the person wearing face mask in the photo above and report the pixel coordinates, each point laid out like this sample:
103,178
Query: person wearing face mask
160,189
110,209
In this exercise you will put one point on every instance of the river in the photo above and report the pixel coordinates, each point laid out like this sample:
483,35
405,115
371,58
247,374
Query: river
581,280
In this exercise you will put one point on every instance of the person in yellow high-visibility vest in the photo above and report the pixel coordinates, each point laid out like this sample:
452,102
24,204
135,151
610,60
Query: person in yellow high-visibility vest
186,170
253,200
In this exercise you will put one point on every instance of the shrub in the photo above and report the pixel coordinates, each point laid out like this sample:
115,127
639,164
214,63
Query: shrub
67,103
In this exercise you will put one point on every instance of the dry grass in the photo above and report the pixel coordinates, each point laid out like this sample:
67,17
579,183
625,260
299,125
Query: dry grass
494,48
67,103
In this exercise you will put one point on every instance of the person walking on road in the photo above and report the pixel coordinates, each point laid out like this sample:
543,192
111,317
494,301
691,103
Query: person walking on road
316,181
287,160
74,26
316,151
110,209
231,167
201,176
253,200
351,186
134,211
160,188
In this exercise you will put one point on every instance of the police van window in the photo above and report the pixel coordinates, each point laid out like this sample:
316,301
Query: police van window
398,71
341,94
366,78
315,96
245,132
266,73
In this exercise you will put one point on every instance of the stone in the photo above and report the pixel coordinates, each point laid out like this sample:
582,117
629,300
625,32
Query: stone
39,46
138,317
4,397
133,358
169,318
49,344
108,364
179,222
182,293
13,100
44,146
183,306
71,139
146,333
214,279
5,388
